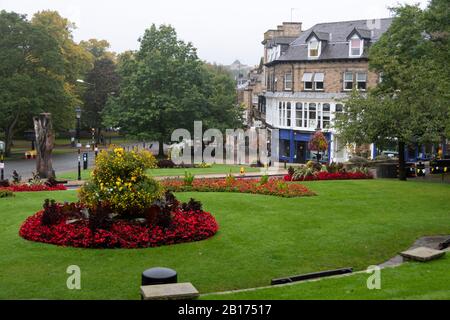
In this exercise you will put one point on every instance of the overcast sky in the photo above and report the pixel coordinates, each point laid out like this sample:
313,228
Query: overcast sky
222,30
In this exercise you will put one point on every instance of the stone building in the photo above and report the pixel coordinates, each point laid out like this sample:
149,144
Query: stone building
306,78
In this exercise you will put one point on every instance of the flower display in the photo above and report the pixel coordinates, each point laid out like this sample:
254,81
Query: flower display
121,207
323,175
318,142
186,226
119,179
34,188
273,187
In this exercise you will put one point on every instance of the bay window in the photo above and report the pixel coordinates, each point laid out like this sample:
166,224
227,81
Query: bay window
299,114
312,115
288,114
326,115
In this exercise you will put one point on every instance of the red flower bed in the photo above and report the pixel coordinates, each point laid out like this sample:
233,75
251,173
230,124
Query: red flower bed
274,187
34,188
333,176
185,227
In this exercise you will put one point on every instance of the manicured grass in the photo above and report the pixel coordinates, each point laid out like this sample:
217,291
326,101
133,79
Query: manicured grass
215,169
411,281
349,224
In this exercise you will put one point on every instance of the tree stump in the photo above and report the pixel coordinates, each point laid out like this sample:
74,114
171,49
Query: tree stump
45,139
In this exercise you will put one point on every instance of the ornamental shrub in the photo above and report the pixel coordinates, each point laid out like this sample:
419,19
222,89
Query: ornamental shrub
120,183
6,193
188,179
166,164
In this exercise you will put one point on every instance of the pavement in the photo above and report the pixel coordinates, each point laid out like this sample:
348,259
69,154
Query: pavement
67,162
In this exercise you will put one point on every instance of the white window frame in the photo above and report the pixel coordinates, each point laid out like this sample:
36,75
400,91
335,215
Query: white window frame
346,81
319,48
286,88
310,80
361,47
314,121
326,114
321,80
297,119
358,81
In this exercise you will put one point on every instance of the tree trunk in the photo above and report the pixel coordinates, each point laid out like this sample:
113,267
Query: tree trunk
161,149
444,147
44,144
401,161
9,134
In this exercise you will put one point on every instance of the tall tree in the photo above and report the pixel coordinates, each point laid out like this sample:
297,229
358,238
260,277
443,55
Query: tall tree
99,49
77,62
164,87
411,104
31,73
103,82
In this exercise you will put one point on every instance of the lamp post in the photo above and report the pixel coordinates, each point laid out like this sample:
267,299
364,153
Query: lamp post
93,139
78,115
2,163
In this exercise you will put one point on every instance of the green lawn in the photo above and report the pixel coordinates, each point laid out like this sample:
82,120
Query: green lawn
349,224
410,281
215,169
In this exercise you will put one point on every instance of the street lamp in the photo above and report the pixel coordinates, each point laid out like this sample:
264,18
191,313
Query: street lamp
78,115
2,163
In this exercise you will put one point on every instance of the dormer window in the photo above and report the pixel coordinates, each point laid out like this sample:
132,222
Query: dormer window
313,48
356,46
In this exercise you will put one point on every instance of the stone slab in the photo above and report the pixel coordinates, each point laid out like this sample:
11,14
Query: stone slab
173,291
422,254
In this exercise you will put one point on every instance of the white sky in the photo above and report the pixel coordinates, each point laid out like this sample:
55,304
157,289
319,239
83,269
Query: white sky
223,31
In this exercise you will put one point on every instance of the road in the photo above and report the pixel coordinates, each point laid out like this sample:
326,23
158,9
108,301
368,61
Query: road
61,162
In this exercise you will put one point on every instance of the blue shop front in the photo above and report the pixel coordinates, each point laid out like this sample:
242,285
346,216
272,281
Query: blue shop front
294,146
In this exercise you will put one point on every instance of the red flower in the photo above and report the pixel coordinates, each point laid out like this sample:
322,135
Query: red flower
275,187
185,227
34,188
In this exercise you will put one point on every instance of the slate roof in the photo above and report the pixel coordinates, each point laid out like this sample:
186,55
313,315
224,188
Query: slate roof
280,40
334,37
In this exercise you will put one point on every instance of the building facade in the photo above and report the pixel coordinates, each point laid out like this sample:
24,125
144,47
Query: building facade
306,81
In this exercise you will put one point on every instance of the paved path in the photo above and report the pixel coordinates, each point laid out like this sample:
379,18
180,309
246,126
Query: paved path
67,162
61,162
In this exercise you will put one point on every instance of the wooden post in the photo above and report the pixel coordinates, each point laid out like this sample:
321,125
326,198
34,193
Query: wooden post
45,139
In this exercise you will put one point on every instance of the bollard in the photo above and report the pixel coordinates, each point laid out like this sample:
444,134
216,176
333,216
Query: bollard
156,276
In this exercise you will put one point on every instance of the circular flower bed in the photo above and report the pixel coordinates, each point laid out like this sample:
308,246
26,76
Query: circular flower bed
120,207
185,226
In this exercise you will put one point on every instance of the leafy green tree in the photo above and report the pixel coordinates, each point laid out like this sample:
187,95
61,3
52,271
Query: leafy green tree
99,49
77,62
31,73
103,82
164,86
410,105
